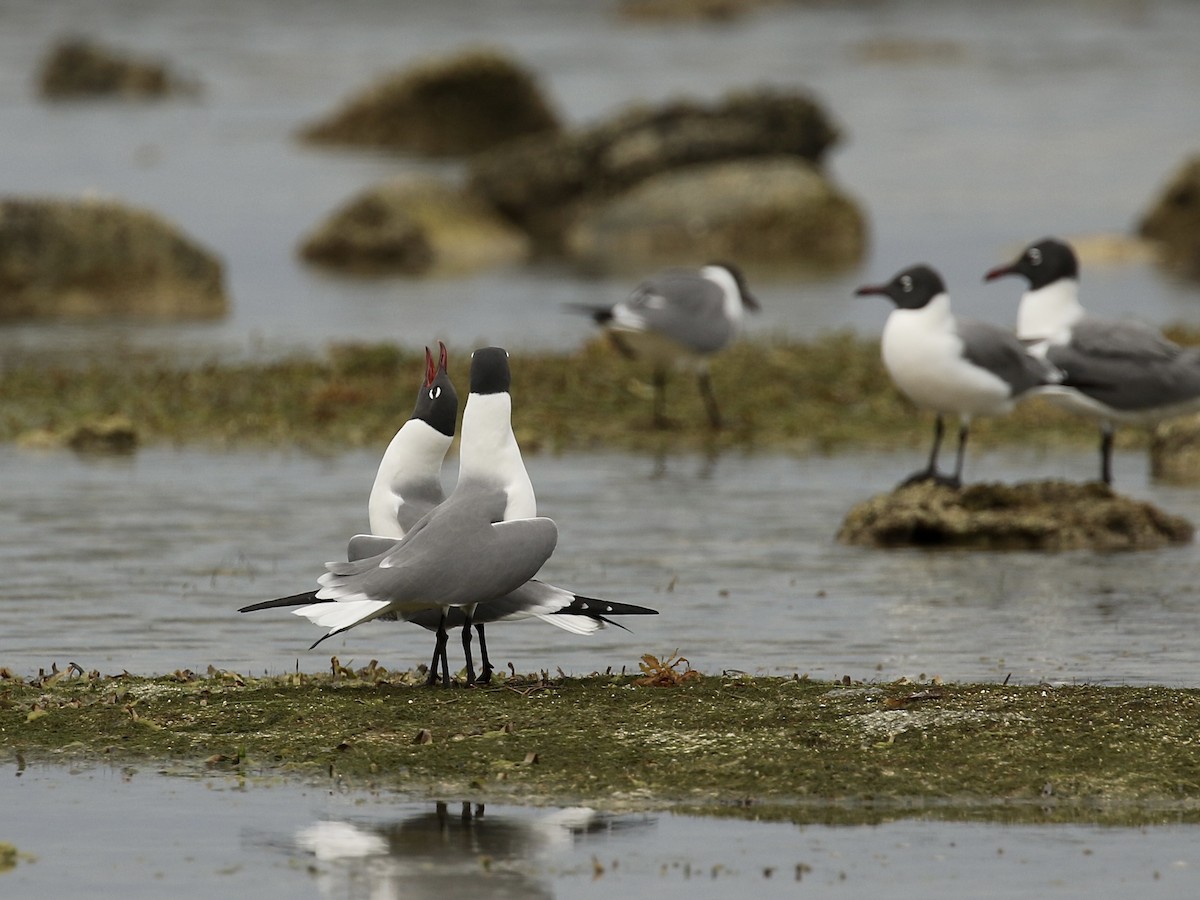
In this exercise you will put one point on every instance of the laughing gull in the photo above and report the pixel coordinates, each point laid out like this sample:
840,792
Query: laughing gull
952,366
1113,372
408,484
475,547
679,318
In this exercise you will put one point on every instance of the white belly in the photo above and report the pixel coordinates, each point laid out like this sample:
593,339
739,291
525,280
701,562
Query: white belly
928,368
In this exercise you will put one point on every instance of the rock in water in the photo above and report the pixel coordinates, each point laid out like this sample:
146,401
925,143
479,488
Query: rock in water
1039,515
450,106
89,259
79,68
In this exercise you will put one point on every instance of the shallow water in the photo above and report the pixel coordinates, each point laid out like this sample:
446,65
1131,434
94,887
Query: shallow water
141,564
122,833
1013,120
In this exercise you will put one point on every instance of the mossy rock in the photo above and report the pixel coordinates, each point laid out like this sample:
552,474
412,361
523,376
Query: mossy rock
774,210
414,226
1173,220
452,106
1039,515
79,68
539,183
1175,450
88,259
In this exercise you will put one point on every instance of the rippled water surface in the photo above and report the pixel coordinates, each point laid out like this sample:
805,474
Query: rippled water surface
140,564
121,834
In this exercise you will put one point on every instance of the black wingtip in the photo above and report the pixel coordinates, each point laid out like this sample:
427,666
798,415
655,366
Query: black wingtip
294,600
598,609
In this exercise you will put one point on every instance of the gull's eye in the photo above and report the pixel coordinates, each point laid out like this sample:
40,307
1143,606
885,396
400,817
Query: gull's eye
906,284
1035,256
435,392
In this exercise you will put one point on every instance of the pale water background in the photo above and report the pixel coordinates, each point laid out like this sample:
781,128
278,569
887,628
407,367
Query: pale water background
1024,119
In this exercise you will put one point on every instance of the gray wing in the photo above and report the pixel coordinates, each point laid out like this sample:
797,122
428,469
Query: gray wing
684,307
1126,340
444,566
362,546
418,498
997,350
1127,382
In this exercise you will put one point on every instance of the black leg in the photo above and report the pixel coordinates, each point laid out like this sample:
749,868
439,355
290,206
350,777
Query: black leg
485,676
929,473
439,653
710,400
660,392
964,432
1106,451
939,431
466,642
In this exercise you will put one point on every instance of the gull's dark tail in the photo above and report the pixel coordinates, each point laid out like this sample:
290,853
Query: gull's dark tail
294,600
600,610
600,314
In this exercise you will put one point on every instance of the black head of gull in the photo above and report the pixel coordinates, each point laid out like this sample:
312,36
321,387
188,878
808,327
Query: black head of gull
437,401
1042,263
911,289
490,373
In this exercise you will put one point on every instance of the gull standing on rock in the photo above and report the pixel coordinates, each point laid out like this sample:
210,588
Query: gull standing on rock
952,366
1113,372
679,318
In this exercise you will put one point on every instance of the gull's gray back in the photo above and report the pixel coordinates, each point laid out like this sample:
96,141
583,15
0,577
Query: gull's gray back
999,351
685,307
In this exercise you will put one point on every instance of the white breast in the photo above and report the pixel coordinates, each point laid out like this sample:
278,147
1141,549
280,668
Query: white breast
923,356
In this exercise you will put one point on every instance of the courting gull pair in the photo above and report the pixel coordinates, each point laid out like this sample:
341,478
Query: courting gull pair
463,560
679,318
1113,372
952,366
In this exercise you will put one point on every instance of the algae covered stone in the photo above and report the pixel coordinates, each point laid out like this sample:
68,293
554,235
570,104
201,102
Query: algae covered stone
772,210
79,68
1041,515
540,183
93,258
1173,220
414,226
450,106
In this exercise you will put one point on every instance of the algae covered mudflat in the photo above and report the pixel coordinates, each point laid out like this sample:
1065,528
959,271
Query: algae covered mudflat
777,394
778,747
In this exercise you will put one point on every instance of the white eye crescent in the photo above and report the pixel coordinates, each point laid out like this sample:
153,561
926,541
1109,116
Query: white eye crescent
906,284
435,392
1035,256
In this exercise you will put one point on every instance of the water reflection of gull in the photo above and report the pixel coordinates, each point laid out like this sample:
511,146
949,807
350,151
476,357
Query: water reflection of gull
439,853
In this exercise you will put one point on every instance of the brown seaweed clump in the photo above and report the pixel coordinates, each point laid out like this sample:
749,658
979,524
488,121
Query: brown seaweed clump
1038,515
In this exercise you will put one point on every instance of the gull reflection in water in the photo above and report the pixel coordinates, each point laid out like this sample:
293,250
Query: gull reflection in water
444,853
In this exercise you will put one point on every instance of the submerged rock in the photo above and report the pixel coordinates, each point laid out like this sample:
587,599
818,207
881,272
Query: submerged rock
85,259
454,106
775,210
1040,515
540,183
414,226
1173,220
81,68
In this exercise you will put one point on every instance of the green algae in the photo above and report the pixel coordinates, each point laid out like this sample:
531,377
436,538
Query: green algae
776,394
786,748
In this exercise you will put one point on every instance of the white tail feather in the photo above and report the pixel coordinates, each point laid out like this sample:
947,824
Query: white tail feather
342,615
573,623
